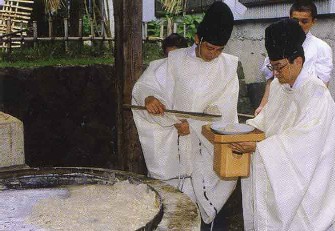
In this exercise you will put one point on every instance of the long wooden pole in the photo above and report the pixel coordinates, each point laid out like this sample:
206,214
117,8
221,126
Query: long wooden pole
128,64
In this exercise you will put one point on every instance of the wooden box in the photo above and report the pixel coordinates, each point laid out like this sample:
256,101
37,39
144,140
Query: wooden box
226,163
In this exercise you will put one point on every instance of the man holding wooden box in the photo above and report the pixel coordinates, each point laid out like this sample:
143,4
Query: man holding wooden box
292,182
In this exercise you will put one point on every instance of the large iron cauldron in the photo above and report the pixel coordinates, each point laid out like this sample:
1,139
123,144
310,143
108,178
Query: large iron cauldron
176,210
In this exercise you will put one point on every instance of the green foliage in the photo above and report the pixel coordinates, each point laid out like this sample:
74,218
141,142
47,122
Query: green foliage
154,28
86,25
47,53
191,22
151,51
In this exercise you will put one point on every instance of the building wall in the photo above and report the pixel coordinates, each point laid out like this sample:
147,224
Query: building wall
247,42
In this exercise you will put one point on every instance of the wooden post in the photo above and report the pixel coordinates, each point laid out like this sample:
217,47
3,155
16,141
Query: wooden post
92,31
128,64
161,32
21,34
9,30
103,32
144,30
35,33
175,27
66,34
80,28
50,27
169,26
80,32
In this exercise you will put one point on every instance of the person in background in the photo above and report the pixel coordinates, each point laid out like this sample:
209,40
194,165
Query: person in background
292,181
172,42
199,78
318,54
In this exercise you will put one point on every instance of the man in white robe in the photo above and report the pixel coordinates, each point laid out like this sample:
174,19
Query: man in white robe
318,54
199,78
292,183
158,136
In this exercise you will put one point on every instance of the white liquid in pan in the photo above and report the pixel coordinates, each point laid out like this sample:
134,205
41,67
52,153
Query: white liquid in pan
122,206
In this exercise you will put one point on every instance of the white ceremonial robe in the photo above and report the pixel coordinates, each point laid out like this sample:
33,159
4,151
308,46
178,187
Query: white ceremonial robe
157,134
292,182
198,85
318,59
159,139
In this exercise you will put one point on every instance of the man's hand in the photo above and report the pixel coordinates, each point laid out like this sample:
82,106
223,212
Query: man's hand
183,128
154,106
243,147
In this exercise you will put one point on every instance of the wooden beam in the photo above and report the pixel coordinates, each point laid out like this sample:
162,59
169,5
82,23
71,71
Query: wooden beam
128,64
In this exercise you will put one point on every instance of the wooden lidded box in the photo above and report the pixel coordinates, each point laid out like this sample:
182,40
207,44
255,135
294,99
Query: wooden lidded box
226,163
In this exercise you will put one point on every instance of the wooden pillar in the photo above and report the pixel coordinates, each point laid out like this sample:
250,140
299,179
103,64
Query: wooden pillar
128,64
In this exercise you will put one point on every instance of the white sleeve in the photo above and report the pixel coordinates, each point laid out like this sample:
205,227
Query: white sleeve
267,74
148,85
324,62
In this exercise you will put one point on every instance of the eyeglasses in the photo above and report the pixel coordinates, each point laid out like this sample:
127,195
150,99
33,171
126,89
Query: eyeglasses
276,67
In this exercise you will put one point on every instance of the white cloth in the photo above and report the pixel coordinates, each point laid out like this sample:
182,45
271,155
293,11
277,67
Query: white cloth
318,59
190,84
292,182
198,85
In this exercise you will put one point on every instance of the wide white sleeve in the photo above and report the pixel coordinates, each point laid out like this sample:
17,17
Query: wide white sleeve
292,156
324,62
148,85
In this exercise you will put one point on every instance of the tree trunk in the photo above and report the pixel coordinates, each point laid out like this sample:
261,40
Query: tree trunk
128,63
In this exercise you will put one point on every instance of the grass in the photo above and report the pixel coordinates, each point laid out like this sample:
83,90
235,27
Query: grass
57,62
